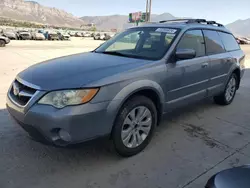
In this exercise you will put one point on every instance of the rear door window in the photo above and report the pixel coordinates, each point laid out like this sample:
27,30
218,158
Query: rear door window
193,40
214,43
229,41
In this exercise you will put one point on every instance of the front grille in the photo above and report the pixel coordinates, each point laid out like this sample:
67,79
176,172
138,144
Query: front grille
20,93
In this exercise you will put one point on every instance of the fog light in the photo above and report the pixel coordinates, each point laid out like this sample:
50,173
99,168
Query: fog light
64,135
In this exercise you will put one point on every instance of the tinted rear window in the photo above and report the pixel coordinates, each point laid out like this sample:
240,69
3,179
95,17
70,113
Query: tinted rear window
214,43
229,41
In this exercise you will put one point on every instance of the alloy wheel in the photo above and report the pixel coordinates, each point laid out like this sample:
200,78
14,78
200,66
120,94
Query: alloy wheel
230,90
136,127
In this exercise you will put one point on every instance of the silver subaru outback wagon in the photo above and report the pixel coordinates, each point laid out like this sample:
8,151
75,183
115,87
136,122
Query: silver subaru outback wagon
122,88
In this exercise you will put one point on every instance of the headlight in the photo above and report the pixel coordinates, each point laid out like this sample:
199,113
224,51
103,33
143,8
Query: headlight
60,99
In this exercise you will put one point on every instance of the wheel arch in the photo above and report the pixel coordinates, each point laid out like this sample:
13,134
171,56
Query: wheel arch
237,72
3,41
146,88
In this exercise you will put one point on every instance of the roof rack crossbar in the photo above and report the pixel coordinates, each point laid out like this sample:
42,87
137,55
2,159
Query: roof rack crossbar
193,21
214,23
211,22
196,21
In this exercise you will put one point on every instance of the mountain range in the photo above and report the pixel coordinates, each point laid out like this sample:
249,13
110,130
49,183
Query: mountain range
34,12
240,27
119,22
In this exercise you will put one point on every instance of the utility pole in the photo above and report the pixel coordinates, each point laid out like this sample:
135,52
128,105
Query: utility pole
150,6
147,17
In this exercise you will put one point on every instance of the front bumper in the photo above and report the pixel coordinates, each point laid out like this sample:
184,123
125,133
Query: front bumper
82,123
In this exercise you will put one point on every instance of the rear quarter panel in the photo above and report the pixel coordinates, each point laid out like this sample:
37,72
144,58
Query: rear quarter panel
239,57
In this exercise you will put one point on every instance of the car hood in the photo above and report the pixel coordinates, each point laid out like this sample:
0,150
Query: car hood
11,34
77,70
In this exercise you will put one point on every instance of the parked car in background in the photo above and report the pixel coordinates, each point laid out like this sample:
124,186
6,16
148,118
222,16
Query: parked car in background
242,40
37,36
63,36
87,35
97,36
246,39
4,40
102,36
72,33
24,35
237,40
78,34
122,88
108,36
10,34
53,36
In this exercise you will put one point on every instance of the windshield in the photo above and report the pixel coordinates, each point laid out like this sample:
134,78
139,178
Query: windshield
141,42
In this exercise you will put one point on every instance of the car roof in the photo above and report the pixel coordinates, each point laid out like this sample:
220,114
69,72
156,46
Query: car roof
185,25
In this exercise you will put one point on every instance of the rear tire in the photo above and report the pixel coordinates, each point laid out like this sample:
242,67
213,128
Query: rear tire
2,43
131,135
228,94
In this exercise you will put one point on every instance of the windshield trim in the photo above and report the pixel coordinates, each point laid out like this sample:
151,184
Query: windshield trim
142,57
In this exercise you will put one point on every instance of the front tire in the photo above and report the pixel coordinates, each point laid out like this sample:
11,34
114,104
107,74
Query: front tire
134,126
228,95
2,43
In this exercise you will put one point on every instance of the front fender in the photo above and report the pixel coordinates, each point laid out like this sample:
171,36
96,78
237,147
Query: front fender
117,102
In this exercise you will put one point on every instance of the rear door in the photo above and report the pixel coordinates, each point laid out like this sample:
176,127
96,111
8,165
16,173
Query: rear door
188,79
233,48
219,61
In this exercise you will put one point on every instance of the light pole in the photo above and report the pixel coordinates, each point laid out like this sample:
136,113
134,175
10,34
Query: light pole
146,17
150,6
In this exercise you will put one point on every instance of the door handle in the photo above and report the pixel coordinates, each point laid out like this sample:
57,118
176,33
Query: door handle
204,65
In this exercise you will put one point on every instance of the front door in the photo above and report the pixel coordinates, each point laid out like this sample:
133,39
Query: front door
187,80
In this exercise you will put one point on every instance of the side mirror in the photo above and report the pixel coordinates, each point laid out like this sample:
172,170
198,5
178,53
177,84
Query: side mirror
232,178
182,54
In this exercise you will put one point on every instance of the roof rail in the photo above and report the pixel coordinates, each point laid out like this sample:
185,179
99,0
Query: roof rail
175,20
214,23
203,21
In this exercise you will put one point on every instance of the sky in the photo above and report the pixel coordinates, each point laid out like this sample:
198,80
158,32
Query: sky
224,11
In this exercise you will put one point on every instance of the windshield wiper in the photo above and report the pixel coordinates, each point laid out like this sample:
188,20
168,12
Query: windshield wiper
114,53
121,54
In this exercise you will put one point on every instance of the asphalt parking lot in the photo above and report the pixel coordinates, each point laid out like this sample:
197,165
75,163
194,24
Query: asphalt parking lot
189,146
